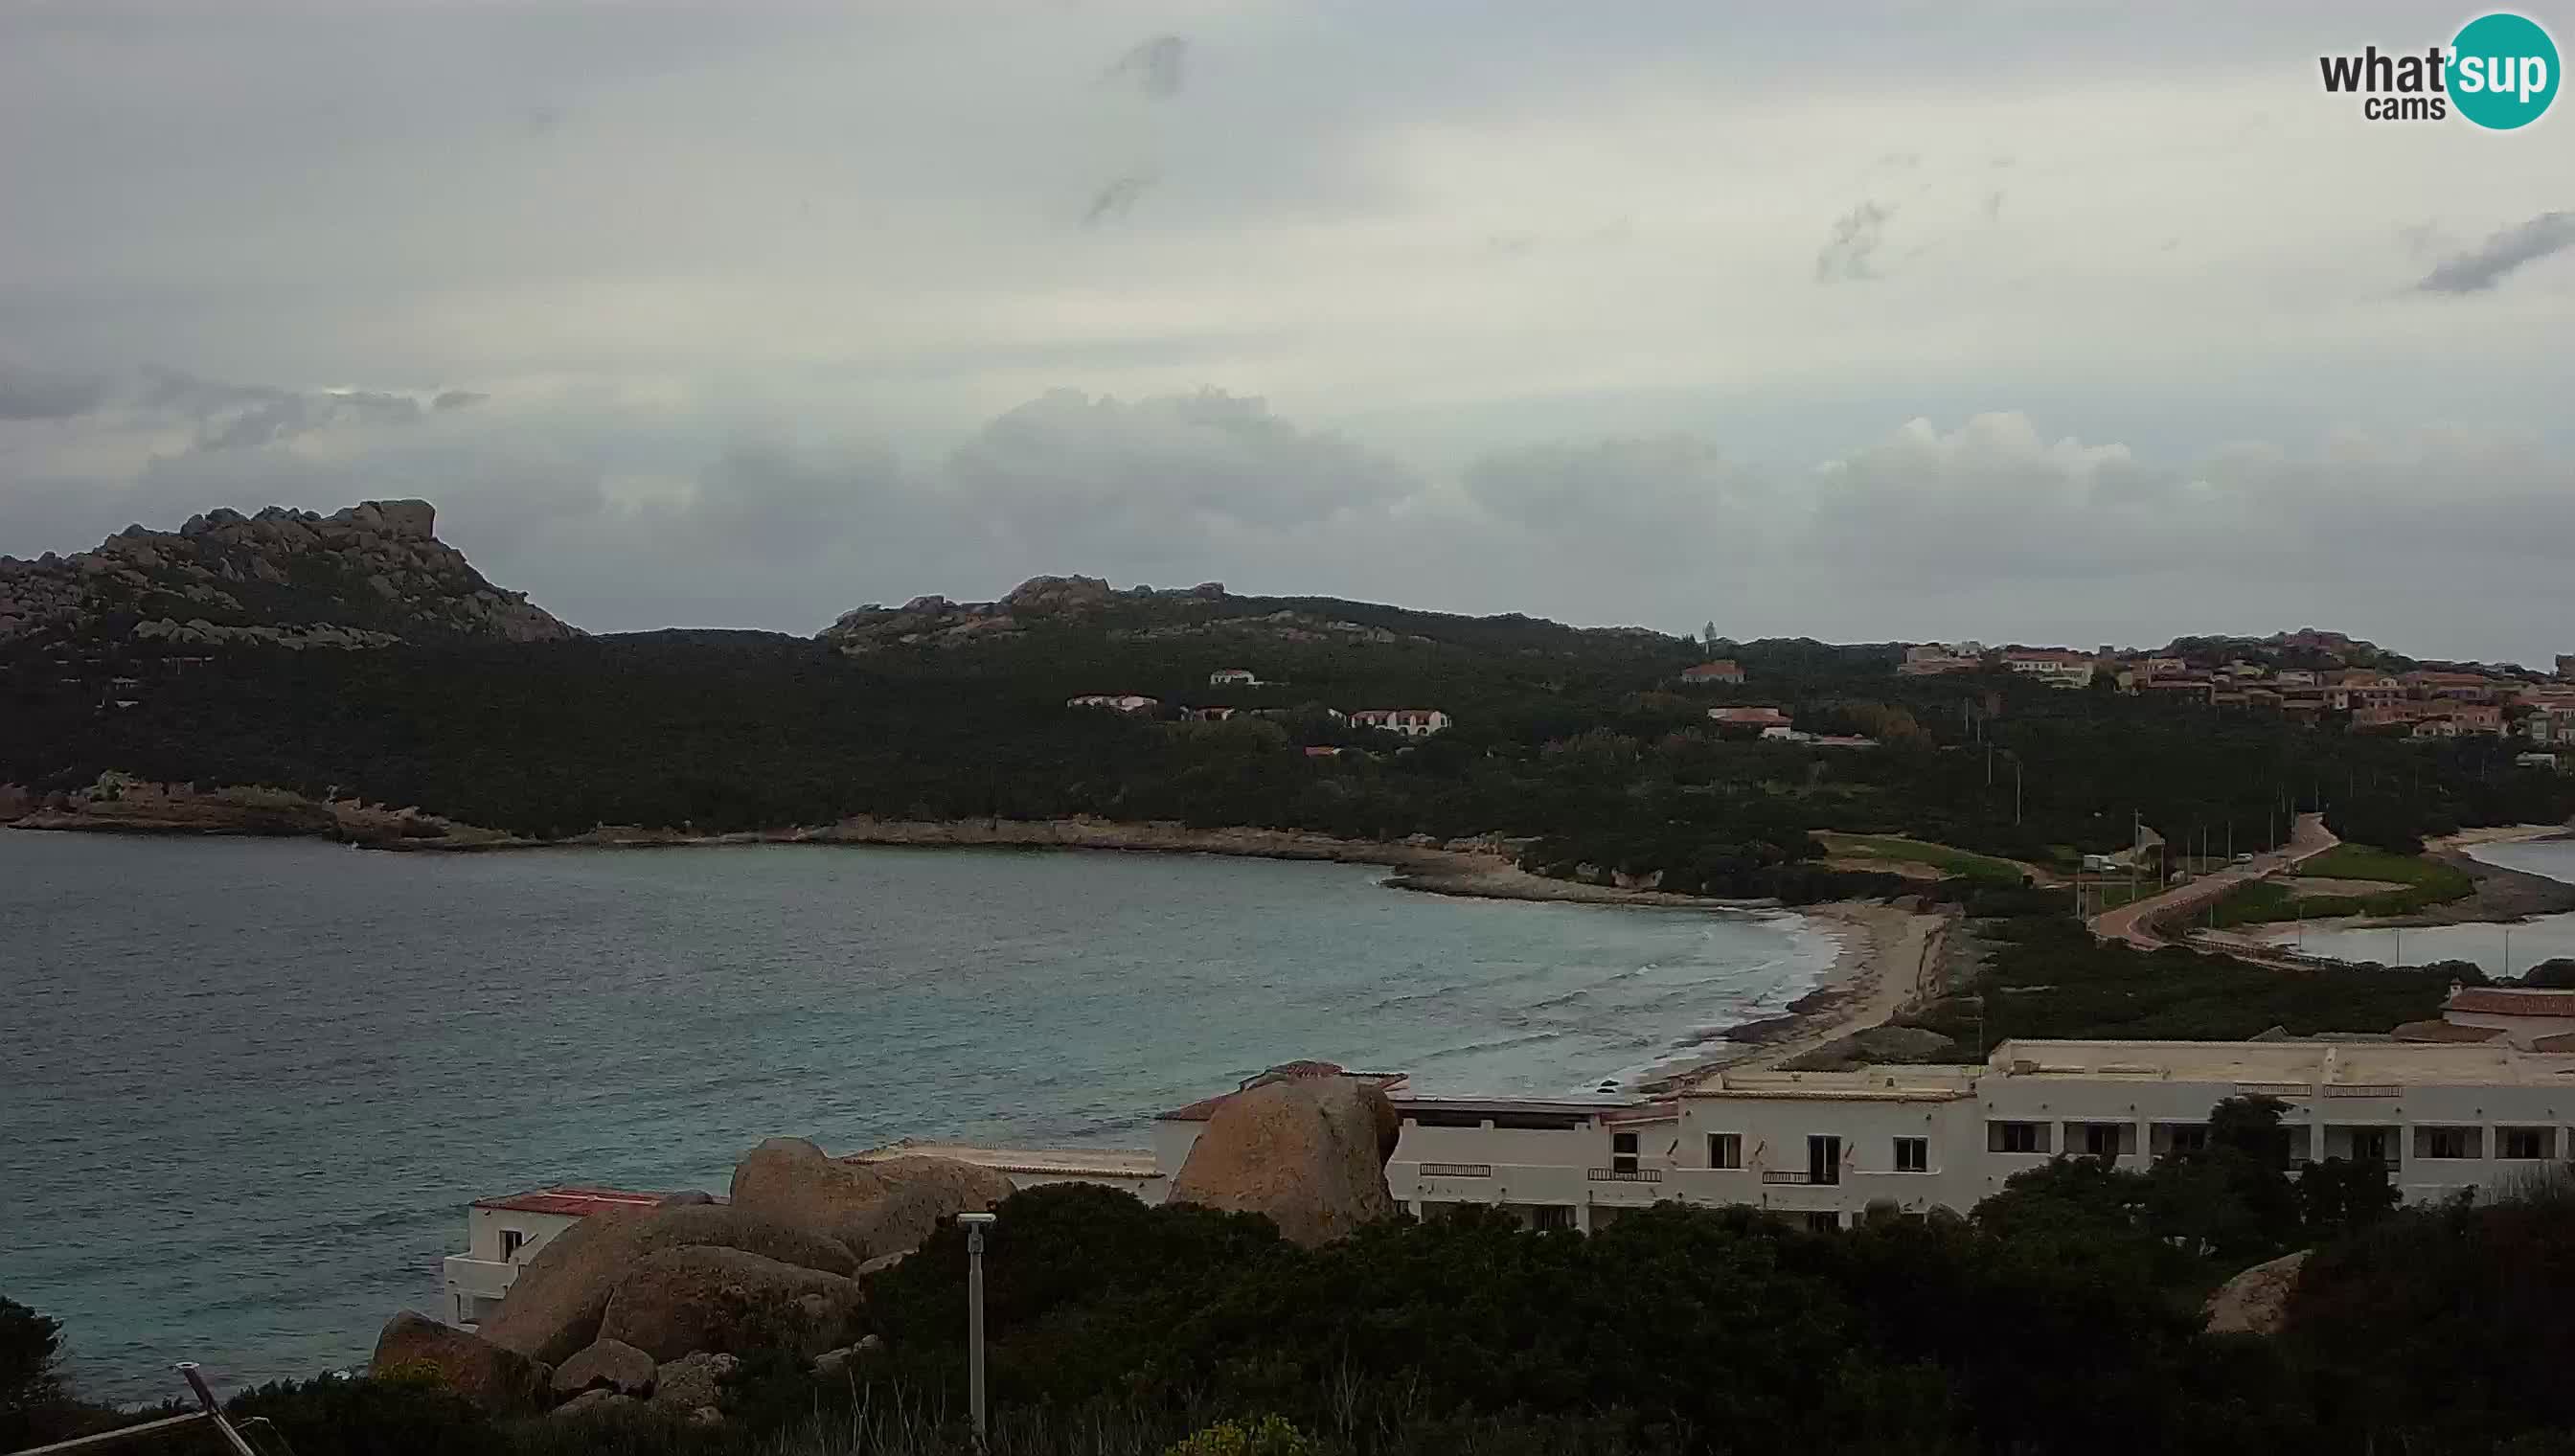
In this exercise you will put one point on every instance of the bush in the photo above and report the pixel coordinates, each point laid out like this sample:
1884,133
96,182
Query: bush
1271,1436
371,1417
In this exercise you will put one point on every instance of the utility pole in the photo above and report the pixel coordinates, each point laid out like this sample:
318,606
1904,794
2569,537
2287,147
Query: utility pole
2015,792
975,1223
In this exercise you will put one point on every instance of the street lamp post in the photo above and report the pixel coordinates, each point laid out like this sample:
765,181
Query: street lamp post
975,1223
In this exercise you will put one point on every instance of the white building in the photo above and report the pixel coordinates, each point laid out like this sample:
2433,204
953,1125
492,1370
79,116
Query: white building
1827,1145
502,1235
1115,702
2055,667
1412,722
1233,678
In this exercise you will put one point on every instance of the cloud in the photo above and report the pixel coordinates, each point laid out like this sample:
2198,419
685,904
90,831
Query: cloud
1994,205
457,399
2482,266
34,393
1157,66
1116,199
1855,238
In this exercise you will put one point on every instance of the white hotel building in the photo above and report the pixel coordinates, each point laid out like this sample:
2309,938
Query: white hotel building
1827,1145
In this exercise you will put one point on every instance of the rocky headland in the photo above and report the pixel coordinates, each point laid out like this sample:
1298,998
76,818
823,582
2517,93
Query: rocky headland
366,577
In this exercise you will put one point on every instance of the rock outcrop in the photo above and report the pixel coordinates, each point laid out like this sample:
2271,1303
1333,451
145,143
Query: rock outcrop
366,577
2256,1302
596,1403
606,1364
494,1378
1306,1144
556,1305
681,1301
693,1383
876,1209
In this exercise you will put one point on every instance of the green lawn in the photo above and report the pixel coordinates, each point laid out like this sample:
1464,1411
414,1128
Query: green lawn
2428,881
1915,852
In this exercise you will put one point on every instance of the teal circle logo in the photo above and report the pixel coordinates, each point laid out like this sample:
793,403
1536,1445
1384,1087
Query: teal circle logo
2503,71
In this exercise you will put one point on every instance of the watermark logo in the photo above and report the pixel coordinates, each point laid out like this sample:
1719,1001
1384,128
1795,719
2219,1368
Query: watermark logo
2499,72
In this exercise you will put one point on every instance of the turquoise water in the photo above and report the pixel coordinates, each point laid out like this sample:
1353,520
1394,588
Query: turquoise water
2500,950
247,1086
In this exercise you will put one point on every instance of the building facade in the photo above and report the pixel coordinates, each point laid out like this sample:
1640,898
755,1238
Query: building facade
1824,1146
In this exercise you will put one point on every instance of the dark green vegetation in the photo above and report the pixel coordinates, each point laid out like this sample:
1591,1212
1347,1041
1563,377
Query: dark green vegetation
1578,738
2062,1316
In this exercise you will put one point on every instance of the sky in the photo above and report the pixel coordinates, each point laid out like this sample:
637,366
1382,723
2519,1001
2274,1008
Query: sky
2069,323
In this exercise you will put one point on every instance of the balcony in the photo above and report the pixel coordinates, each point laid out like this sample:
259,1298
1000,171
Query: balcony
481,1278
1787,1175
1625,1175
1456,1170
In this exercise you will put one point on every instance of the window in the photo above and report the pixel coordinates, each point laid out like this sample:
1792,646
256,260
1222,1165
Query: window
2101,1139
1725,1149
2522,1142
1824,1160
511,1242
2015,1137
1913,1154
1823,1222
1622,1152
2369,1144
2446,1142
2189,1138
1552,1216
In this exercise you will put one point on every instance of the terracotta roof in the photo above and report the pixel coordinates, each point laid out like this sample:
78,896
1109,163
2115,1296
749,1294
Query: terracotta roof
571,1202
2562,1042
2445,1031
2499,1001
1723,666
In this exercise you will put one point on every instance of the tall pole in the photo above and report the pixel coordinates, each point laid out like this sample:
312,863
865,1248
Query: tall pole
975,1223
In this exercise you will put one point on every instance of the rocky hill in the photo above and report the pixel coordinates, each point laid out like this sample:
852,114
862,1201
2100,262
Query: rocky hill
370,575
1205,612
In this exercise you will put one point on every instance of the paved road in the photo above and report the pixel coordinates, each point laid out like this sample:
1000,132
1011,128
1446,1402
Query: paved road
2135,924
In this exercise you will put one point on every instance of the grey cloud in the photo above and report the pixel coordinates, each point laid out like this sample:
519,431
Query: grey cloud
1116,199
33,394
2482,266
1994,205
290,415
457,399
1855,238
1157,67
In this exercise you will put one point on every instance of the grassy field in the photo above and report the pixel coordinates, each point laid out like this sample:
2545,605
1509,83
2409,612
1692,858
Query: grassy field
1914,852
2425,881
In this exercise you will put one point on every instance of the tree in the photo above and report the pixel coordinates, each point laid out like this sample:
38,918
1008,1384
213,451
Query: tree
30,1384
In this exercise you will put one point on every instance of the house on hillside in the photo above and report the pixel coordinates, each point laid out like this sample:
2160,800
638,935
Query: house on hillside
1412,722
1209,714
1723,673
1233,678
1116,701
1925,660
2533,1020
2057,666
1764,717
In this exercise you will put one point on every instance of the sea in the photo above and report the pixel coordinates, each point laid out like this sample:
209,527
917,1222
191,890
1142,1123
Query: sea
2501,949
247,1086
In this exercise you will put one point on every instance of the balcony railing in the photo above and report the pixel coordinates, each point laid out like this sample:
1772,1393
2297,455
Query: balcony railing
1456,1170
1787,1175
2362,1089
1625,1175
2277,1089
485,1277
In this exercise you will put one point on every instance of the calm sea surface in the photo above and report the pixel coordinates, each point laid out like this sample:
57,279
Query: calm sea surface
2527,943
247,1088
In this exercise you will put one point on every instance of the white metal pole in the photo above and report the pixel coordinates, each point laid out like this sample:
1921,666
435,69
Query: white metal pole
975,1223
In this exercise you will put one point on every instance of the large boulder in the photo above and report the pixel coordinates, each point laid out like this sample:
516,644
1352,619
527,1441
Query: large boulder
2256,1302
691,1382
681,1301
495,1379
596,1403
1307,1148
553,1307
611,1364
876,1208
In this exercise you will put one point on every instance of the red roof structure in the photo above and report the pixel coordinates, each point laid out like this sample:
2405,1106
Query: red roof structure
2499,1001
572,1202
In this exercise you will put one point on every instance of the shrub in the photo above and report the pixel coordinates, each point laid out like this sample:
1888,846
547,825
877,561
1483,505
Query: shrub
1271,1436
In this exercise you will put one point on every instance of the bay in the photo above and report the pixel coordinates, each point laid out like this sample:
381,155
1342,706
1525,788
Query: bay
247,1086
2498,948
